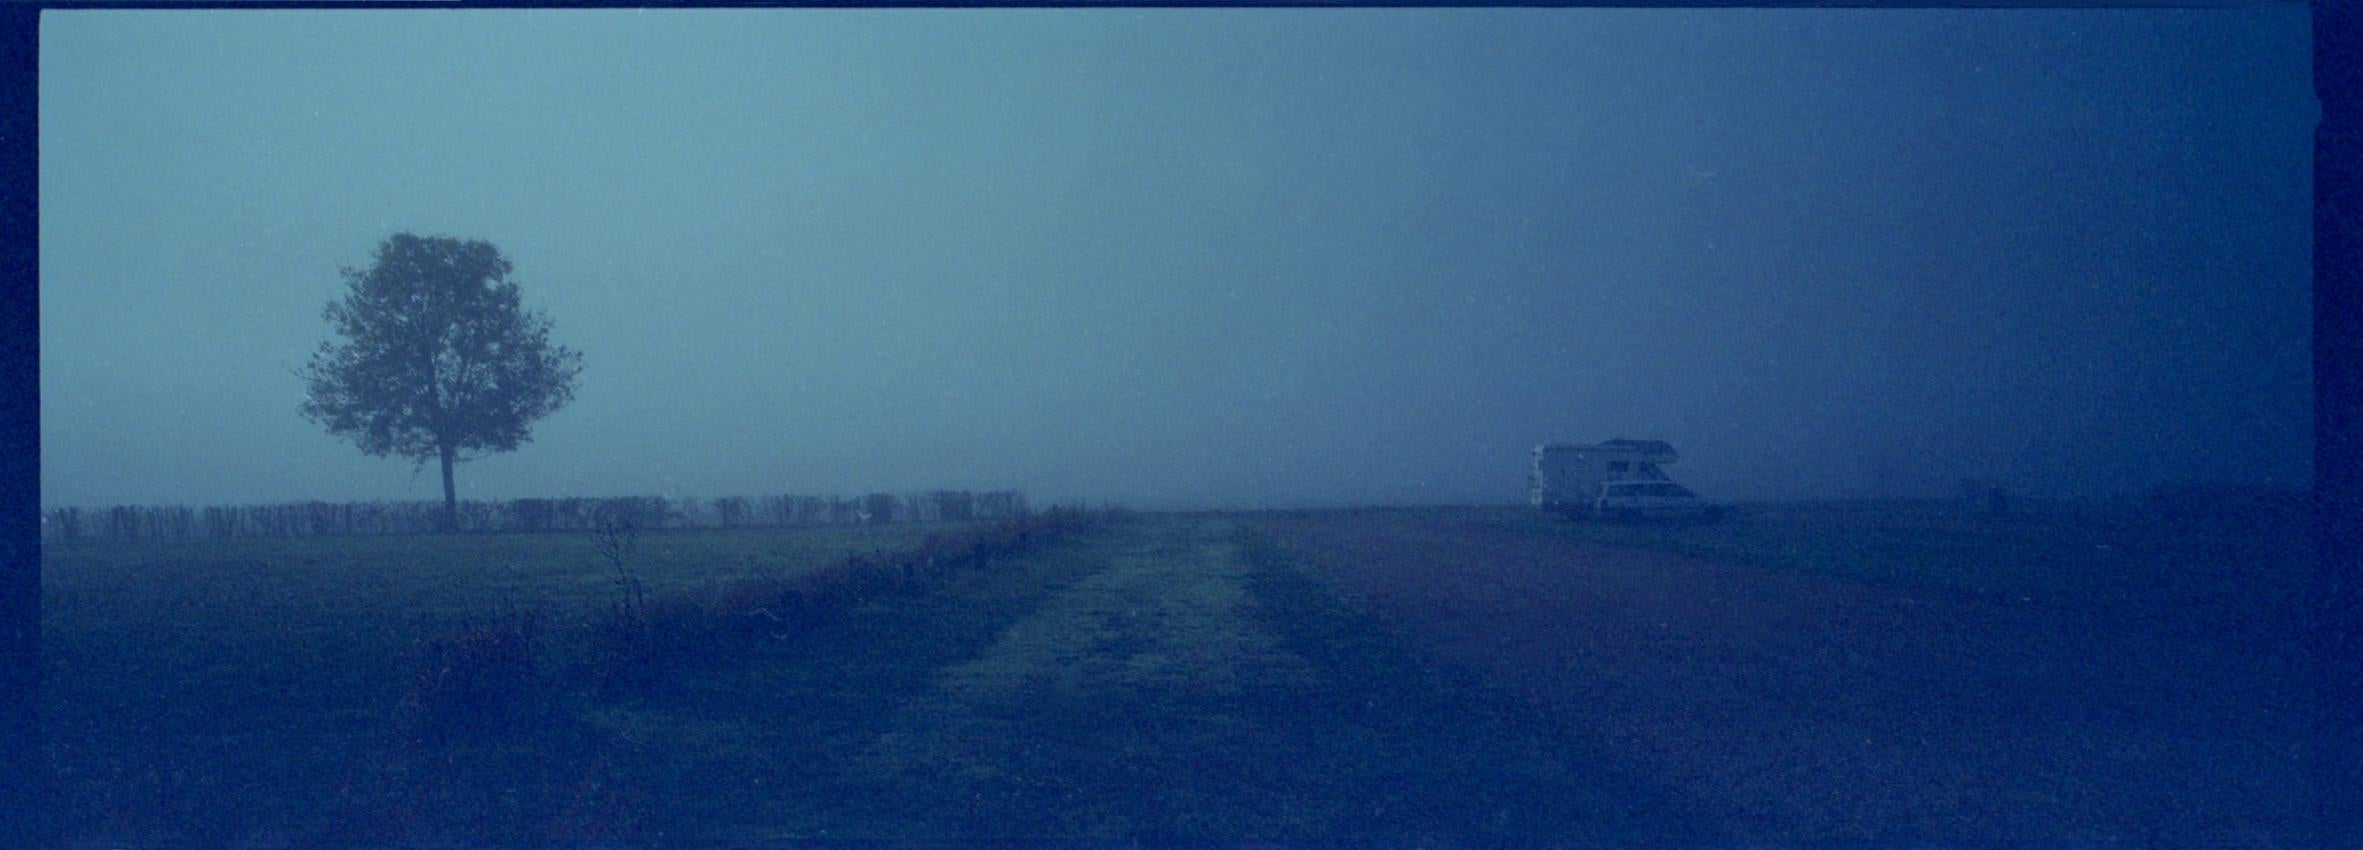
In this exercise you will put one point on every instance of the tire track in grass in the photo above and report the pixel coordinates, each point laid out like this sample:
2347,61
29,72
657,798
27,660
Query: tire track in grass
1485,766
1123,706
1169,613
776,747
1194,690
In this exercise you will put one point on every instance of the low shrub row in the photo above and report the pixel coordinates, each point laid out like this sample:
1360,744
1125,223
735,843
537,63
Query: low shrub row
316,519
642,641
490,675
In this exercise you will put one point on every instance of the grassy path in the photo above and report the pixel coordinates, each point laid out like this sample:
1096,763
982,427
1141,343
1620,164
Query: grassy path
780,744
1124,705
1170,677
1197,687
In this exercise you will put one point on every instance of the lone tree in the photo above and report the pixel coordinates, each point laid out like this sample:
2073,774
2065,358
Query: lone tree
438,358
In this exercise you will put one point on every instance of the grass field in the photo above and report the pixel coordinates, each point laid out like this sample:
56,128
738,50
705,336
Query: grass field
1166,677
2242,574
233,686
1174,676
1885,675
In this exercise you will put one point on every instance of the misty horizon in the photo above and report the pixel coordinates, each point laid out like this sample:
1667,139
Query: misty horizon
1203,259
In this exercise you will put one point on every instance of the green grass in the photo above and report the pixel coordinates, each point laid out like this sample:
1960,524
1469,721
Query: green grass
1104,710
1172,677
236,686
782,742
1196,686
1169,677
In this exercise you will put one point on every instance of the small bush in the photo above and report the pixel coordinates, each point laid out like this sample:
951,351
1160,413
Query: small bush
642,641
483,678
757,608
624,657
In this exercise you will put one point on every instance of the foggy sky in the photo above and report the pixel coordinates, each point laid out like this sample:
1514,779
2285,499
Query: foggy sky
1182,258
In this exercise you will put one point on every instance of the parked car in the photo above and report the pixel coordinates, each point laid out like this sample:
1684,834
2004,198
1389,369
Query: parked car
1636,500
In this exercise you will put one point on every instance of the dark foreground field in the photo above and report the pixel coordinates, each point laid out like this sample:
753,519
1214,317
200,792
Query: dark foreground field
1830,677
1445,676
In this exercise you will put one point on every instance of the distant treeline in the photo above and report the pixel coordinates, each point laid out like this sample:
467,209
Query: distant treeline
318,519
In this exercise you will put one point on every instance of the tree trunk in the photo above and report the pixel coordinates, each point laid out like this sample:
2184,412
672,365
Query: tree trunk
450,496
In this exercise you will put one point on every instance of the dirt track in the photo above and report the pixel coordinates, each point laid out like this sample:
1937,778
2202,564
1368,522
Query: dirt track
1798,708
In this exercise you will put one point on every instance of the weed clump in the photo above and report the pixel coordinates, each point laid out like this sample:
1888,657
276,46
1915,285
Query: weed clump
486,677
639,644
638,637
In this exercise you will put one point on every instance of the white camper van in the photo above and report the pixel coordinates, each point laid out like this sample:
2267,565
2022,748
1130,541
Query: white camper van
1623,478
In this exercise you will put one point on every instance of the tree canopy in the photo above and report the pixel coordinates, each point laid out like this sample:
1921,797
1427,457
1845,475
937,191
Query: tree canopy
438,358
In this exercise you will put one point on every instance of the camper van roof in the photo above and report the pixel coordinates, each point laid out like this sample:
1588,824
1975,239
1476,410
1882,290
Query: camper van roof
1644,446
1650,447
